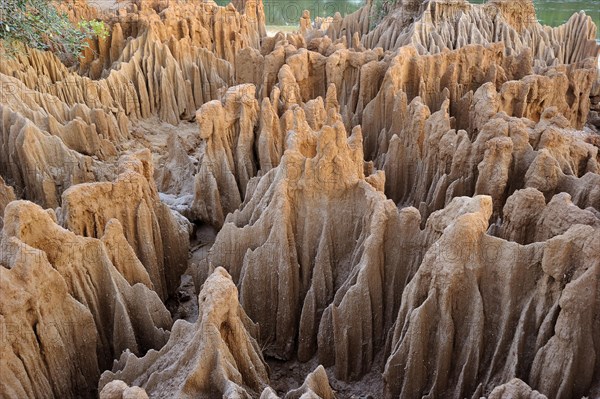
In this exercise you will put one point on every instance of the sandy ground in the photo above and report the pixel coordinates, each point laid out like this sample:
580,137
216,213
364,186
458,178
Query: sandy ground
285,376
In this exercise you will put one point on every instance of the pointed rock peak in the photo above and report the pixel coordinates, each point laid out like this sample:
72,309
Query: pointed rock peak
520,14
331,100
315,385
217,355
139,162
327,158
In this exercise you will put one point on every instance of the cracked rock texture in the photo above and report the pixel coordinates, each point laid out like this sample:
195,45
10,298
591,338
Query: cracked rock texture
390,205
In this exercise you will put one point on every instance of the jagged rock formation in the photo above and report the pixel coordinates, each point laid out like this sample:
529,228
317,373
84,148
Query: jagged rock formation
527,218
39,164
411,201
269,214
125,316
432,26
500,84
316,197
87,131
316,385
345,29
169,68
456,311
216,356
428,162
45,330
237,140
132,88
228,163
158,235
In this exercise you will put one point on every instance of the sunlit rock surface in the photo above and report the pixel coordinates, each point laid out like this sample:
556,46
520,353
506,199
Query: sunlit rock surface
405,206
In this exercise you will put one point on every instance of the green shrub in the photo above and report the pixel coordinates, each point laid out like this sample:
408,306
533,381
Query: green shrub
38,24
94,29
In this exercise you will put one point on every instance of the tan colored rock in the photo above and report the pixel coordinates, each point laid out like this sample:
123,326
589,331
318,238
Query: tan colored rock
123,256
357,22
470,286
79,10
437,25
515,389
223,31
240,140
7,194
431,28
297,175
227,163
87,131
39,164
467,241
316,386
125,316
158,236
527,218
48,337
174,174
216,355
254,11
428,162
43,72
119,390
191,61
326,228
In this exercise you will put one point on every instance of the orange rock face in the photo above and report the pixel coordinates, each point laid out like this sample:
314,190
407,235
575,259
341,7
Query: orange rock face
389,206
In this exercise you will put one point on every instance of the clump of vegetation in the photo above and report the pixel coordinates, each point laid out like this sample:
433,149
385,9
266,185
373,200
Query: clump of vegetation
94,28
38,24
